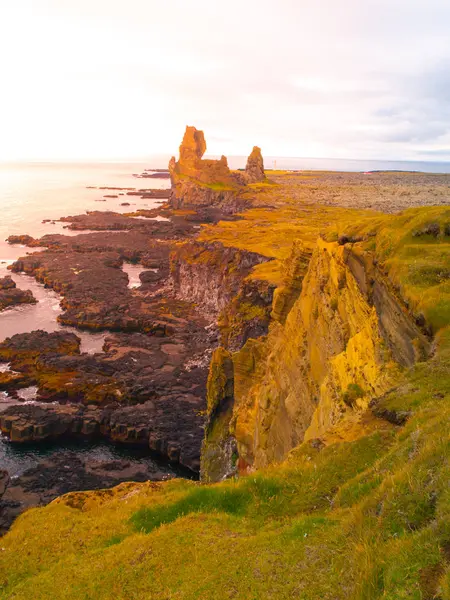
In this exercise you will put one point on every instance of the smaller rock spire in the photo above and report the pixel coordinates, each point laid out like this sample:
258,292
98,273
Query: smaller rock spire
255,166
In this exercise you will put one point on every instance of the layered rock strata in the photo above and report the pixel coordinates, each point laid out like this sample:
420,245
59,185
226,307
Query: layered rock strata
339,337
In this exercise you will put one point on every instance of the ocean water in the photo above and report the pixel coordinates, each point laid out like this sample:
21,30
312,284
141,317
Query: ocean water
32,193
17,459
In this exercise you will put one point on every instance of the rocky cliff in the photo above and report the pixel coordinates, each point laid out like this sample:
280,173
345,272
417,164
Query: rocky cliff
338,339
210,274
200,183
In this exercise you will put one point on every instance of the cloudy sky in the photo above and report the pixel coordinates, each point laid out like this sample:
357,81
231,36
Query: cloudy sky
319,78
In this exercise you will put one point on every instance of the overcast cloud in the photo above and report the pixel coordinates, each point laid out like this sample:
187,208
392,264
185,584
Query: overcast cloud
105,78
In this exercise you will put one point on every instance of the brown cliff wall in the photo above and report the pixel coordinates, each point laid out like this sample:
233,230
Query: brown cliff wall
340,345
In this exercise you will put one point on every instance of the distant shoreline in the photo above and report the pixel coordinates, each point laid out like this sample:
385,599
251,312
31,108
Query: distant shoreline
238,162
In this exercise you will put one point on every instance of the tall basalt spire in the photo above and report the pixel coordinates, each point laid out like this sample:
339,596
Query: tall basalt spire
254,170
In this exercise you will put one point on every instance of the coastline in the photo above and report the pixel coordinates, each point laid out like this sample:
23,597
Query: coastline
141,243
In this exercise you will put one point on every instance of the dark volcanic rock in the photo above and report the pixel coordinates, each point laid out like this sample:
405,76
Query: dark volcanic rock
159,175
148,388
110,221
96,293
27,346
6,283
65,472
10,295
144,390
171,426
25,240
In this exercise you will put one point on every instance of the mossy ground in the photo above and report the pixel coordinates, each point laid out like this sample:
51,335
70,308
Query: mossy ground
366,518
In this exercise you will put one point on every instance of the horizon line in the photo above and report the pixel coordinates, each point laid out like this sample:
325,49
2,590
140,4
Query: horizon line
142,159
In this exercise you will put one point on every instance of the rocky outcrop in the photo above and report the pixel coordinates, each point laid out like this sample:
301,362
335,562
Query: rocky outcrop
23,348
148,388
143,390
294,270
340,334
201,183
111,221
6,283
248,315
210,274
24,240
10,295
254,171
170,429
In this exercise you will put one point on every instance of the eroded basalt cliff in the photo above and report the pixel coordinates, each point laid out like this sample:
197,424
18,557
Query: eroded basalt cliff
210,274
338,339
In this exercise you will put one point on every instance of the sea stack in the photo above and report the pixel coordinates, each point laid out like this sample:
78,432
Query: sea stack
204,183
254,171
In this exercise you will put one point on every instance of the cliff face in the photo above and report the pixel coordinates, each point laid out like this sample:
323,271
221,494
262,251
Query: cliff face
210,274
366,492
332,347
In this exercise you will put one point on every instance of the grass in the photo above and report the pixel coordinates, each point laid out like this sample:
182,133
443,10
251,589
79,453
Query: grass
199,500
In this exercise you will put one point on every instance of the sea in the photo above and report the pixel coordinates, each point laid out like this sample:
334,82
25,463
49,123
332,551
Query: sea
34,195
30,195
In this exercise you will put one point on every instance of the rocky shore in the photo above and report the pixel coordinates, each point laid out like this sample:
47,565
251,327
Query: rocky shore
63,472
11,296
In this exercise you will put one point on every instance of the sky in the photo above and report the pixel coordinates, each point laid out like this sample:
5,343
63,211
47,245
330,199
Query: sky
119,79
